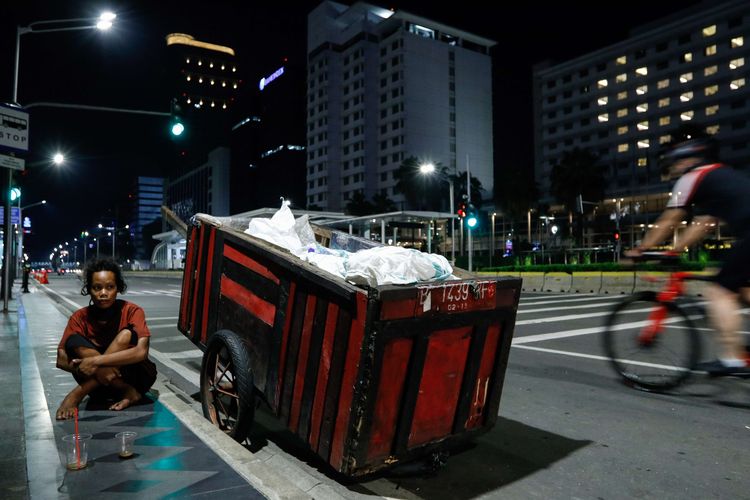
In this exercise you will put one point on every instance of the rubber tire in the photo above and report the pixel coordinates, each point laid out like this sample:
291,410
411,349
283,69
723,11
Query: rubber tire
608,339
243,382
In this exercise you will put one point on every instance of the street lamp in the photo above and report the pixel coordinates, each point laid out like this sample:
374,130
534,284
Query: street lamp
103,23
428,169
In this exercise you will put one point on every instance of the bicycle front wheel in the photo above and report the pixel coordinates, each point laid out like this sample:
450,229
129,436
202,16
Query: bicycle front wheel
653,345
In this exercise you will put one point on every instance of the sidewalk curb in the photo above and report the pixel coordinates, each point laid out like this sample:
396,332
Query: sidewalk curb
261,477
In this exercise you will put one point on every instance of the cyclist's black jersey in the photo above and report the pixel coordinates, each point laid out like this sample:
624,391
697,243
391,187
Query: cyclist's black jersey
717,190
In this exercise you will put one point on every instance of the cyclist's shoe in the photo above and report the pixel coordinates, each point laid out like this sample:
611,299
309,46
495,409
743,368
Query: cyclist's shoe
718,369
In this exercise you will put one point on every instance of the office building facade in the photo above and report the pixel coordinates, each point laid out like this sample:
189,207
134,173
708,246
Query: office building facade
383,86
624,101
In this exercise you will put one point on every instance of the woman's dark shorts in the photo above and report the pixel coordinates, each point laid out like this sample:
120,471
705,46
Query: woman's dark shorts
140,375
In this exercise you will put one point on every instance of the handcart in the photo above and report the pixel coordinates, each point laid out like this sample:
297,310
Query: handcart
366,376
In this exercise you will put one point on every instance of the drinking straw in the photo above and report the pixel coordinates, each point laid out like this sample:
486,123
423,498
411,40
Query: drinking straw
75,436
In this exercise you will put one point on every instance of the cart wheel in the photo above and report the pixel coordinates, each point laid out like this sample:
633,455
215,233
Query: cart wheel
227,385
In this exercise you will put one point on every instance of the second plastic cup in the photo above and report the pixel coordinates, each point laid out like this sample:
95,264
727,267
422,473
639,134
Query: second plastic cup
125,441
76,450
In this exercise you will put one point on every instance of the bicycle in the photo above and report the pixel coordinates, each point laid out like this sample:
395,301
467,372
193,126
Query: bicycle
650,337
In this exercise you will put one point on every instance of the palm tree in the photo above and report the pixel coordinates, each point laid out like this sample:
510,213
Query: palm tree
382,204
424,191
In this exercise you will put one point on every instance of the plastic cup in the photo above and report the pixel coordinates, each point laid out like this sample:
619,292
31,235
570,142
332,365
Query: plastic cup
125,442
76,450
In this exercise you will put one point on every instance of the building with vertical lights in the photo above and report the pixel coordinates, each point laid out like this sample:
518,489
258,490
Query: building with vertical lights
383,86
624,101
206,84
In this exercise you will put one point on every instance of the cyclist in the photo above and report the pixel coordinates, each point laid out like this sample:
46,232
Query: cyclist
707,192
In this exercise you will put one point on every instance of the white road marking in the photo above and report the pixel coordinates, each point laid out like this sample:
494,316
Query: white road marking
558,299
565,308
188,374
156,327
171,338
602,358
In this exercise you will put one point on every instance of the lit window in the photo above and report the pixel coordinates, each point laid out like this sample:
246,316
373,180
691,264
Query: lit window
711,50
622,77
642,71
643,125
187,61
712,129
234,69
663,139
664,120
686,96
234,85
710,70
737,41
642,162
712,110
200,63
735,84
662,84
622,112
642,107
686,116
604,117
622,95
664,102
602,100
200,79
622,148
736,63
211,66
622,130
642,89
601,83
709,30
711,90
212,82
188,78
643,144
621,60
686,77
687,57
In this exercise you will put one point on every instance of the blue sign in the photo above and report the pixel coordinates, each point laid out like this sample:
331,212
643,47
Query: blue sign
273,76
14,214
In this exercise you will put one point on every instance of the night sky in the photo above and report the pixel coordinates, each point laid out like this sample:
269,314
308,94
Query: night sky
123,68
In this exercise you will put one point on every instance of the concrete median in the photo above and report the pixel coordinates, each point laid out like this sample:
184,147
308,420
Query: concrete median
586,282
557,282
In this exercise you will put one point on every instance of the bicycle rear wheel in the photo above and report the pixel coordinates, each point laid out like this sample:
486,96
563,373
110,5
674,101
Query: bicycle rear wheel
653,345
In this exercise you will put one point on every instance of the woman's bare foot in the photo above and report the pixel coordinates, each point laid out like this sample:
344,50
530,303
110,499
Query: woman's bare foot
69,405
130,397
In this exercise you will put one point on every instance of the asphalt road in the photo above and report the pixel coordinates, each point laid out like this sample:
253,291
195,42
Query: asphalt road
567,428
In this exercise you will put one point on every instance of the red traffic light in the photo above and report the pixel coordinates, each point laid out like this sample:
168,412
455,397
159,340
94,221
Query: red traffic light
461,210
616,235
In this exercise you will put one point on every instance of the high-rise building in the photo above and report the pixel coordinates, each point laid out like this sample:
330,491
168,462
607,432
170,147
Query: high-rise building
145,200
206,82
624,101
383,86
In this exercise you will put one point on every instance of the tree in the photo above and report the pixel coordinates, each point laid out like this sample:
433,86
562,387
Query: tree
358,205
516,191
428,191
578,172
382,204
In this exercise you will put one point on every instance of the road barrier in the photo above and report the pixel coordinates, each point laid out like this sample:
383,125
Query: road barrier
586,282
557,282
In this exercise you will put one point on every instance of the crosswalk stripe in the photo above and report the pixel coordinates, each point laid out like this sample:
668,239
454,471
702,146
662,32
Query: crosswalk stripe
564,308
171,338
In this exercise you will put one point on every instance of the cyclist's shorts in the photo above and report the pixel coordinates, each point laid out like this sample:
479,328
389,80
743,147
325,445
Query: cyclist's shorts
735,273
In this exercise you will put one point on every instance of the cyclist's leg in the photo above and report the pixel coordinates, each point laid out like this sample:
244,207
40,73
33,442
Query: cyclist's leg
724,300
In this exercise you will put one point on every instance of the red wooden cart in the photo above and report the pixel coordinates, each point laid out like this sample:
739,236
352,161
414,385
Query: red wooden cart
366,376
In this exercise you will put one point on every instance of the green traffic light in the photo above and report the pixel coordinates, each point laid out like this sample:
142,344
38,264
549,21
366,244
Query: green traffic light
177,128
471,221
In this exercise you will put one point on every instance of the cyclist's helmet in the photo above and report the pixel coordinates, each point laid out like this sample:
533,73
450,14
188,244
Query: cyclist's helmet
688,141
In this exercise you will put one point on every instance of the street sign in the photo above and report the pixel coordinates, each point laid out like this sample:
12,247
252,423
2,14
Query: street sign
14,212
14,128
7,161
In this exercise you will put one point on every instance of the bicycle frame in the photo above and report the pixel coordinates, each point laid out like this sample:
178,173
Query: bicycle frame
674,288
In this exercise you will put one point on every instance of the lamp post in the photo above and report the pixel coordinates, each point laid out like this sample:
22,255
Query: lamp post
103,23
429,168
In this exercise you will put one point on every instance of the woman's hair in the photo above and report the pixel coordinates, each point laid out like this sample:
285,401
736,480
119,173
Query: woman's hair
98,265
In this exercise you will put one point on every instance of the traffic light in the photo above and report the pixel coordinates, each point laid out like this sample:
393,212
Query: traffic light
176,122
471,216
616,236
461,210
15,193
